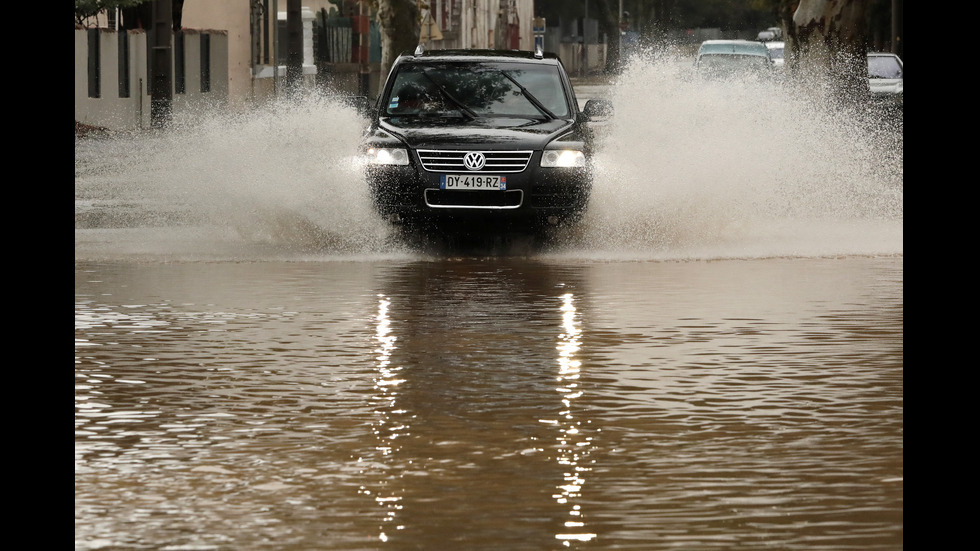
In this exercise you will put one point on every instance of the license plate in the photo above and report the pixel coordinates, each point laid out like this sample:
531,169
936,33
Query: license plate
472,181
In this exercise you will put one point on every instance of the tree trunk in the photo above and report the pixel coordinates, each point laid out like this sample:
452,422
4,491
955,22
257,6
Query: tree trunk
831,39
399,24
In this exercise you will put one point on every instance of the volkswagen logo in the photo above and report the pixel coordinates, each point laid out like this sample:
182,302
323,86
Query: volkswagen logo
474,160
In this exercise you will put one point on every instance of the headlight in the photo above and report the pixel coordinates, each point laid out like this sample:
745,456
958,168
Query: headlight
387,156
562,158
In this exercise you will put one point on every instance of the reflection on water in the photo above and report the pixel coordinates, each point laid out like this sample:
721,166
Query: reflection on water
574,441
490,404
390,424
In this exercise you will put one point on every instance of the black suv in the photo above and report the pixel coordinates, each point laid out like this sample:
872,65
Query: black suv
480,137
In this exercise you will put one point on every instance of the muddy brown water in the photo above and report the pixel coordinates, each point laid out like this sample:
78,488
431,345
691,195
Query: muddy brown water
713,360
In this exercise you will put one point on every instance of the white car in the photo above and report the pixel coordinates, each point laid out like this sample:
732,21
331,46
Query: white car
723,59
777,52
885,77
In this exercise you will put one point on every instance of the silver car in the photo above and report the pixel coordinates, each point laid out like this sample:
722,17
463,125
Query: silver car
777,50
885,77
723,59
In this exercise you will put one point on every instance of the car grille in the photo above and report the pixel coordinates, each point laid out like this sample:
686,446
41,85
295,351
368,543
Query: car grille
498,162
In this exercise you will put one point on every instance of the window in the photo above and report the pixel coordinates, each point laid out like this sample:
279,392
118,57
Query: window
479,89
884,67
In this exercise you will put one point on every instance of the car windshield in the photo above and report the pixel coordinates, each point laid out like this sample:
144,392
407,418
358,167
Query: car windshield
733,65
477,90
884,67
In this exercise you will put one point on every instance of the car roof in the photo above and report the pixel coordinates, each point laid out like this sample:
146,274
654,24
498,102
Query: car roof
744,47
546,58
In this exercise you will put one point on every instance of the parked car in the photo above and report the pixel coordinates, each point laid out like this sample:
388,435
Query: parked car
771,33
885,77
777,51
733,59
460,138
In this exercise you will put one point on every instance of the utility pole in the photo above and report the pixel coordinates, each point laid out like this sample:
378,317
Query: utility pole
161,87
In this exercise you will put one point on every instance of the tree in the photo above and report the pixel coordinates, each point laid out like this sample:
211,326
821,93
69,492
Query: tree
831,37
136,14
86,9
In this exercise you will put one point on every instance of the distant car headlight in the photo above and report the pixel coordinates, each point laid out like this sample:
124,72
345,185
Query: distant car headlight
387,156
562,158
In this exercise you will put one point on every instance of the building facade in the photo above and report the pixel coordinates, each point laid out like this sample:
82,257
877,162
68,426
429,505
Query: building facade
113,75
241,63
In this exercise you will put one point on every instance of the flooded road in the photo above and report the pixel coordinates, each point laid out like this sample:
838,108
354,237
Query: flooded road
712,360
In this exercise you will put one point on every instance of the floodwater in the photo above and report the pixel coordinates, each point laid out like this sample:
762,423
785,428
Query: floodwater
712,360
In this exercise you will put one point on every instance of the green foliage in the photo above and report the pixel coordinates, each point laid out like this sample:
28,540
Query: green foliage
85,9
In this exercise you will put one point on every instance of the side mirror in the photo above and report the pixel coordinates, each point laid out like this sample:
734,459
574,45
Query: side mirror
598,108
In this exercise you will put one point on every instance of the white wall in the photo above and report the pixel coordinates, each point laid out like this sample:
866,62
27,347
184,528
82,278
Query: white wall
111,111
231,16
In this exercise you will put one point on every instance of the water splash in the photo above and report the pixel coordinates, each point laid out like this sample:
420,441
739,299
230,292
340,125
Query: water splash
732,168
687,169
277,178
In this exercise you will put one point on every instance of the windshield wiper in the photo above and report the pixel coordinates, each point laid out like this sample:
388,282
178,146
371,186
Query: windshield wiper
452,99
530,97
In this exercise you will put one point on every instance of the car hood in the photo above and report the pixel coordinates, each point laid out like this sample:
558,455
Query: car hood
486,133
886,85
